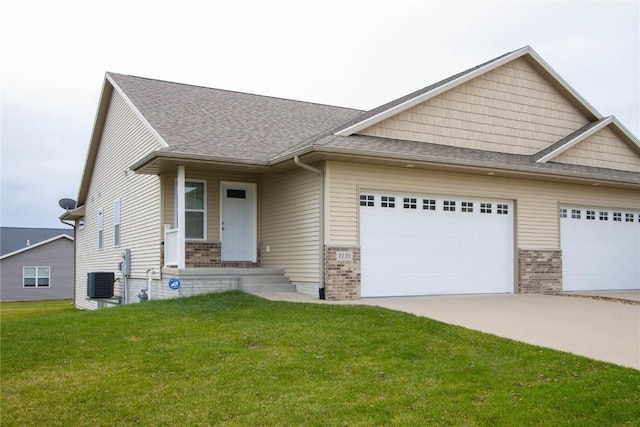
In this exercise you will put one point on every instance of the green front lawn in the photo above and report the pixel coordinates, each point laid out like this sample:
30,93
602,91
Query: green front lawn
236,359
25,309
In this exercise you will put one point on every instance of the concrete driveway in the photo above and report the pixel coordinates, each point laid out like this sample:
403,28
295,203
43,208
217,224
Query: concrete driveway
599,329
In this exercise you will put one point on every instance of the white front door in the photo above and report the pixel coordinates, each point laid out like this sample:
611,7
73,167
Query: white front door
238,221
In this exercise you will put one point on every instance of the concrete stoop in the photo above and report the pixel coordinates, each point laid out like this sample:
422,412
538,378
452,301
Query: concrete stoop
265,283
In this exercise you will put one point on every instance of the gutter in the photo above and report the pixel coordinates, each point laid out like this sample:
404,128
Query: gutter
299,163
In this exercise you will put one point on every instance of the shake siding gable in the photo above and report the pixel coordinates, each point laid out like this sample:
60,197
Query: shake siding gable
289,224
536,202
603,150
124,140
511,109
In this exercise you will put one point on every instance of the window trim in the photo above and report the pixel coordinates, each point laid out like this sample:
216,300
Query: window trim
37,276
204,210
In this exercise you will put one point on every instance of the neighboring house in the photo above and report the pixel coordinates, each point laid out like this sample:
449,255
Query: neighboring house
36,263
499,179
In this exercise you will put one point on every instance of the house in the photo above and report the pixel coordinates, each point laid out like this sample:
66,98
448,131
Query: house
36,264
499,179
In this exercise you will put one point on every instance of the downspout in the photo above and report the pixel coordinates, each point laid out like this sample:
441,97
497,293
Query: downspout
297,161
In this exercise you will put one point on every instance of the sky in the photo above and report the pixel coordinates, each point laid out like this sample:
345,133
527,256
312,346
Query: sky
348,53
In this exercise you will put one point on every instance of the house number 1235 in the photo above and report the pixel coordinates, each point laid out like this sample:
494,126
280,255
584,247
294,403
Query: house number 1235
344,256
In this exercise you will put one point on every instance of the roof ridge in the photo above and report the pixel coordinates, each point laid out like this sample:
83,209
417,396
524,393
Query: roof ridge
232,91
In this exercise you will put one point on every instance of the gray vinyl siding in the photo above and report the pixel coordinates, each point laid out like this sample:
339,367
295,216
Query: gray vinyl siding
124,140
57,255
290,224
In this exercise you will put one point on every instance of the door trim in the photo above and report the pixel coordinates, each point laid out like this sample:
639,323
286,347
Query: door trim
254,222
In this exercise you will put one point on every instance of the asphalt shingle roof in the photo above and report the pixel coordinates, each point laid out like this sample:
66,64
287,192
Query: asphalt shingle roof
220,123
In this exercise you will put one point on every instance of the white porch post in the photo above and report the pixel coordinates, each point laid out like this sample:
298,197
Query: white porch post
181,217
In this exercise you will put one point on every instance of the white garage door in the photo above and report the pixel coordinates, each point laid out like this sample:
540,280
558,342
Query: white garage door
600,249
432,245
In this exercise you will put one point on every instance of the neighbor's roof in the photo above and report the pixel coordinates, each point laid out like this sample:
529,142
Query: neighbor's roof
14,240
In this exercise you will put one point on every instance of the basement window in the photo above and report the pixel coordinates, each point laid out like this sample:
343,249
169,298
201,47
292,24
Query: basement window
366,200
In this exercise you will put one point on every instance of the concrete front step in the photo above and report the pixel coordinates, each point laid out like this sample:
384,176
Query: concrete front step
261,283
258,288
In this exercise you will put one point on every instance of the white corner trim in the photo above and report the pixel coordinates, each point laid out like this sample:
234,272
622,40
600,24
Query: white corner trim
35,245
137,112
576,140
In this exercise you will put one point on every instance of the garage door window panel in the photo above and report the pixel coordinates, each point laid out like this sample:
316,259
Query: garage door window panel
366,200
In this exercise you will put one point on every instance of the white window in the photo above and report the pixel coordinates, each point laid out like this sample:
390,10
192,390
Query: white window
485,208
195,202
100,228
449,205
467,207
628,217
604,216
116,223
366,200
575,213
617,216
591,215
502,209
36,277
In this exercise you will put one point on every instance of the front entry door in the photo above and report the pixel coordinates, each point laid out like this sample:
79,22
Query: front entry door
238,221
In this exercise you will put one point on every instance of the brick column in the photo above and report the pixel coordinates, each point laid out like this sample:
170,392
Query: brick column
342,276
539,271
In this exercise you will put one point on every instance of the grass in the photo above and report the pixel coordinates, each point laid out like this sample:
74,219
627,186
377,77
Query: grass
233,359
26,309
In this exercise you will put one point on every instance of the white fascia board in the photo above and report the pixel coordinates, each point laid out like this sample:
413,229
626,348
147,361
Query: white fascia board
626,132
564,83
576,140
35,245
137,112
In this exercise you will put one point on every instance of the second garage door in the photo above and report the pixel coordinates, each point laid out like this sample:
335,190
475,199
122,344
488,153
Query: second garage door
600,249
433,245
